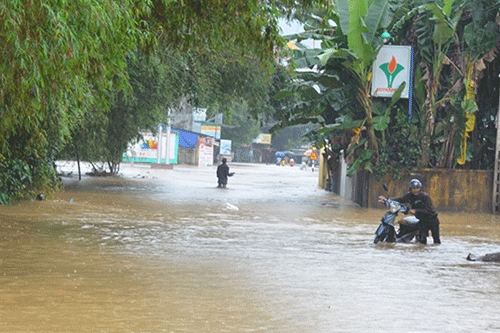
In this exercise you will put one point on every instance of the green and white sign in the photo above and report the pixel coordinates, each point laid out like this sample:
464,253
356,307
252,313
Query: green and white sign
392,67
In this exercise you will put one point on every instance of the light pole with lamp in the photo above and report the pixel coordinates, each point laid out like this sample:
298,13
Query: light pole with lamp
386,37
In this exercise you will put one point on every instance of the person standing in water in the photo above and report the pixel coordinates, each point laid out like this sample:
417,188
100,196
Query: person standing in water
421,206
223,173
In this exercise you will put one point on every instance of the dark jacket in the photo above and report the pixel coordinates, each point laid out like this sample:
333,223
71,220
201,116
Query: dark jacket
424,210
223,172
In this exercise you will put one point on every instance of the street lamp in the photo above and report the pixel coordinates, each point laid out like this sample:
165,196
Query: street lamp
386,37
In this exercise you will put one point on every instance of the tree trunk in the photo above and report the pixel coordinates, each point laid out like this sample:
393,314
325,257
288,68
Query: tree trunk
78,162
368,105
446,159
431,87
426,139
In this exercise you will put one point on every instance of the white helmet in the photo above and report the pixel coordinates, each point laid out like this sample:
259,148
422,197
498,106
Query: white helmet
415,183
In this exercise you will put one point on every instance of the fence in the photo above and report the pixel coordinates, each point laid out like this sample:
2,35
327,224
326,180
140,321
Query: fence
450,189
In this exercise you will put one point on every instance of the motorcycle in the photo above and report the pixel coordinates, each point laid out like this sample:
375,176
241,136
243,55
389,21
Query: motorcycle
408,228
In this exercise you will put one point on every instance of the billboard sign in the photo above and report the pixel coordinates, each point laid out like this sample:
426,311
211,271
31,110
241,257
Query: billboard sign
225,147
211,130
392,67
205,151
263,138
146,150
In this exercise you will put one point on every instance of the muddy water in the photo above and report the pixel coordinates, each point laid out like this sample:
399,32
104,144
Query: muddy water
165,251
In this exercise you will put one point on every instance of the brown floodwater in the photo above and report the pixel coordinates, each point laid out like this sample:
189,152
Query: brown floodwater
165,251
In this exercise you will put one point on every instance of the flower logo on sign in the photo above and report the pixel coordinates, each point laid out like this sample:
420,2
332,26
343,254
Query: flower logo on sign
149,144
391,70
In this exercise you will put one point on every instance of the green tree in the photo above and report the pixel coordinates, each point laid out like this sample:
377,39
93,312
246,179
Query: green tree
58,61
437,28
452,40
172,80
242,128
335,92
103,139
64,62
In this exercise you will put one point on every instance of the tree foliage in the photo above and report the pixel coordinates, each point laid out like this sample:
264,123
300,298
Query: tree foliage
242,128
64,70
453,43
59,60
335,91
104,137
454,40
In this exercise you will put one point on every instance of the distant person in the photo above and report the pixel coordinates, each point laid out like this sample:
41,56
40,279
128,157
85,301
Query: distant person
223,173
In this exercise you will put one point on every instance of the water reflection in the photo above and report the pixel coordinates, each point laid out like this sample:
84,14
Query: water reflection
118,257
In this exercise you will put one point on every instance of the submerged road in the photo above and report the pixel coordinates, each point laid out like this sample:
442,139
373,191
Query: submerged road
166,251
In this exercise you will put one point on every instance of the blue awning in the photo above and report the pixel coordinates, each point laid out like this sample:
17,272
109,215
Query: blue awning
187,139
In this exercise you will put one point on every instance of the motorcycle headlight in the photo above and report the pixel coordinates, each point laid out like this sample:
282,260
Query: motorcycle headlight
394,207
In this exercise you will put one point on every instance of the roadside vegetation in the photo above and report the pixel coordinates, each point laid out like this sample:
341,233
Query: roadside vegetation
455,89
80,78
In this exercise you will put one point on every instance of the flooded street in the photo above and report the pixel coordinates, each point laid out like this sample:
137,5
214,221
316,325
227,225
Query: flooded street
166,251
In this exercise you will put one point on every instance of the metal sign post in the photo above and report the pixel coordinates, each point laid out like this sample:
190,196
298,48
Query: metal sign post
495,202
159,143
167,150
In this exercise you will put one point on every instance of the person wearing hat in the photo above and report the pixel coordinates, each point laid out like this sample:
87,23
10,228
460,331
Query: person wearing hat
421,206
223,173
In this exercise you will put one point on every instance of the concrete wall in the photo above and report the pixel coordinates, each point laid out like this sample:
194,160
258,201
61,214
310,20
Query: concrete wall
187,156
450,190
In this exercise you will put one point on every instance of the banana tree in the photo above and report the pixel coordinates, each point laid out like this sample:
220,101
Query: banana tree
481,36
453,39
363,22
336,92
435,29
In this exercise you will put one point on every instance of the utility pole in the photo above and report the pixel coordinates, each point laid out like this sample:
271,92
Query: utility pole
160,139
495,203
167,150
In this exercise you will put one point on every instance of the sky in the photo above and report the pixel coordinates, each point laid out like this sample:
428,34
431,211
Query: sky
293,27
289,28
